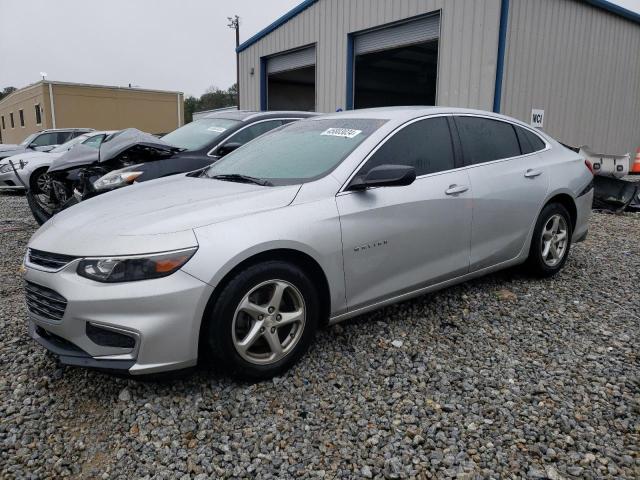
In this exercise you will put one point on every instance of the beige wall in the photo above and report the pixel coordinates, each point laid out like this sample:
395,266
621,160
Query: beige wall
24,100
88,106
116,108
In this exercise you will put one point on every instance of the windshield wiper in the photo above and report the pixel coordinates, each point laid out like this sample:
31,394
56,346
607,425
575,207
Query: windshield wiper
236,177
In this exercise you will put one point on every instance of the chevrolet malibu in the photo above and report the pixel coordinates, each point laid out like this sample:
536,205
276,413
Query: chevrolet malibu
319,221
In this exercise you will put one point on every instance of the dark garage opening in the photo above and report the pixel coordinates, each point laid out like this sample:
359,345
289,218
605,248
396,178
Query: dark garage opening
292,89
404,75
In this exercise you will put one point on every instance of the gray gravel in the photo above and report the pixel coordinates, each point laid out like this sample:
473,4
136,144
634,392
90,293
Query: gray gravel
501,377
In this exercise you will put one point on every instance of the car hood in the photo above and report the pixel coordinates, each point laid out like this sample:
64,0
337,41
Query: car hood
30,156
9,146
154,216
131,142
11,150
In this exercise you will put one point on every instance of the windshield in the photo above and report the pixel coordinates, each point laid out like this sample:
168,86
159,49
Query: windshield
67,145
298,152
200,133
28,140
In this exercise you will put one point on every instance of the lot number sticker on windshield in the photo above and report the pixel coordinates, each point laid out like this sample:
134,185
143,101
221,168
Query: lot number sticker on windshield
341,132
216,129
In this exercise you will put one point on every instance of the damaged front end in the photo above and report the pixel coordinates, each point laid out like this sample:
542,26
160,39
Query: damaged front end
72,177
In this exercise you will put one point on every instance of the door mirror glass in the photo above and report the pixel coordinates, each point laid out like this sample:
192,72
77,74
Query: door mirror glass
228,148
385,176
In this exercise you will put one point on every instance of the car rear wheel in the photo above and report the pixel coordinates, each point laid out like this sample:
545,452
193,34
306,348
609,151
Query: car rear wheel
551,241
263,321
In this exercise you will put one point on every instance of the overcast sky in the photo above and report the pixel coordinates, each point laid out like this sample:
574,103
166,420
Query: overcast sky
181,45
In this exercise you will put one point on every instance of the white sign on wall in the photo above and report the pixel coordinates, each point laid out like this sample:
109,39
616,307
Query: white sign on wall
537,118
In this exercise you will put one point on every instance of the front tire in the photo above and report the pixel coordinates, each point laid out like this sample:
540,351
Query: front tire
551,241
263,320
39,182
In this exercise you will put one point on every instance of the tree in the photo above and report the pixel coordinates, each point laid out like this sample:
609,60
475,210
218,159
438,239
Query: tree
212,98
6,91
190,106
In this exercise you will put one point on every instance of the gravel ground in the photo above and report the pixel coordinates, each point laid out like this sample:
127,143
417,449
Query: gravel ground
500,377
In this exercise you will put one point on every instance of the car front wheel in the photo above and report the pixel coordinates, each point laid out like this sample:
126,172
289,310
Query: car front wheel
263,321
551,241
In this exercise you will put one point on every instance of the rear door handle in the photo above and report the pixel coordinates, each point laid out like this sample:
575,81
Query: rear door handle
531,173
456,189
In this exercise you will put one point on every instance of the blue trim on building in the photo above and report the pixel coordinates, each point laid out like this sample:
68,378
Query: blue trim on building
502,46
282,20
350,60
263,84
615,9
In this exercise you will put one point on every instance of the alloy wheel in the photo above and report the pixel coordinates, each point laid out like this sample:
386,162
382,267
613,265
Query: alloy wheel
268,322
554,240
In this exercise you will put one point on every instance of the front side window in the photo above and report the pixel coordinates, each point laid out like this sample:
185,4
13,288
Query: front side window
38,114
485,140
253,131
425,145
199,133
299,152
45,139
64,137
21,113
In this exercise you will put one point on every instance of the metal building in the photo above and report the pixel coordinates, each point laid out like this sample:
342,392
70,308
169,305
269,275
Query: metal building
570,66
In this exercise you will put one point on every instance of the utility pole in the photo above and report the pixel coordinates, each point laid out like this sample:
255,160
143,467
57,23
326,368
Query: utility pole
234,22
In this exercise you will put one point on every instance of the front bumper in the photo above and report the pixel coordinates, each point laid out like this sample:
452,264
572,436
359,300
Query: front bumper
162,317
8,181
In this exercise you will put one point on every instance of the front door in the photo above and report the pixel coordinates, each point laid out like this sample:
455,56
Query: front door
399,239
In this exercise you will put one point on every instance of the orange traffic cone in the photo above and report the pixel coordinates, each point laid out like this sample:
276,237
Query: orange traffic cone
635,168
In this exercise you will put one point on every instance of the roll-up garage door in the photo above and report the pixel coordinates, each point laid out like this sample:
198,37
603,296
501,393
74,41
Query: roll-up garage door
397,64
416,31
291,61
291,80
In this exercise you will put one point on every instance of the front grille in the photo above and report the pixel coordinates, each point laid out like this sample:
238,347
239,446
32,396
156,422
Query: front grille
45,302
53,261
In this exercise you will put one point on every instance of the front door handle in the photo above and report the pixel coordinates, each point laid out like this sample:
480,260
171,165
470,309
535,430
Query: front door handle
531,173
456,189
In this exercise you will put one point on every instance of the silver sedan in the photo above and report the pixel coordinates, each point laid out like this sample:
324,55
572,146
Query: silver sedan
319,221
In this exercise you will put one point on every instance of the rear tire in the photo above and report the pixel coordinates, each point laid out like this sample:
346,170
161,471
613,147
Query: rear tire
551,241
263,320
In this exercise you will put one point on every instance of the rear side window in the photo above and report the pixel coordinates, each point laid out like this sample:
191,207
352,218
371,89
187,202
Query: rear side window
485,140
253,131
529,141
425,145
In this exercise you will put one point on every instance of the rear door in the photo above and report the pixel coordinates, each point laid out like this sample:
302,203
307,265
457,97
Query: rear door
509,184
399,239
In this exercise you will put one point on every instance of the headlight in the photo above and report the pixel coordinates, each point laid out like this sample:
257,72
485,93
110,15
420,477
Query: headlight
19,165
117,178
134,268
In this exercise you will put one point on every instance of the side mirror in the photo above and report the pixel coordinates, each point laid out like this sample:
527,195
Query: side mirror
227,148
385,176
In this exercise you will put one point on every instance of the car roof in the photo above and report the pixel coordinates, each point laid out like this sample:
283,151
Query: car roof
251,115
399,115
66,130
